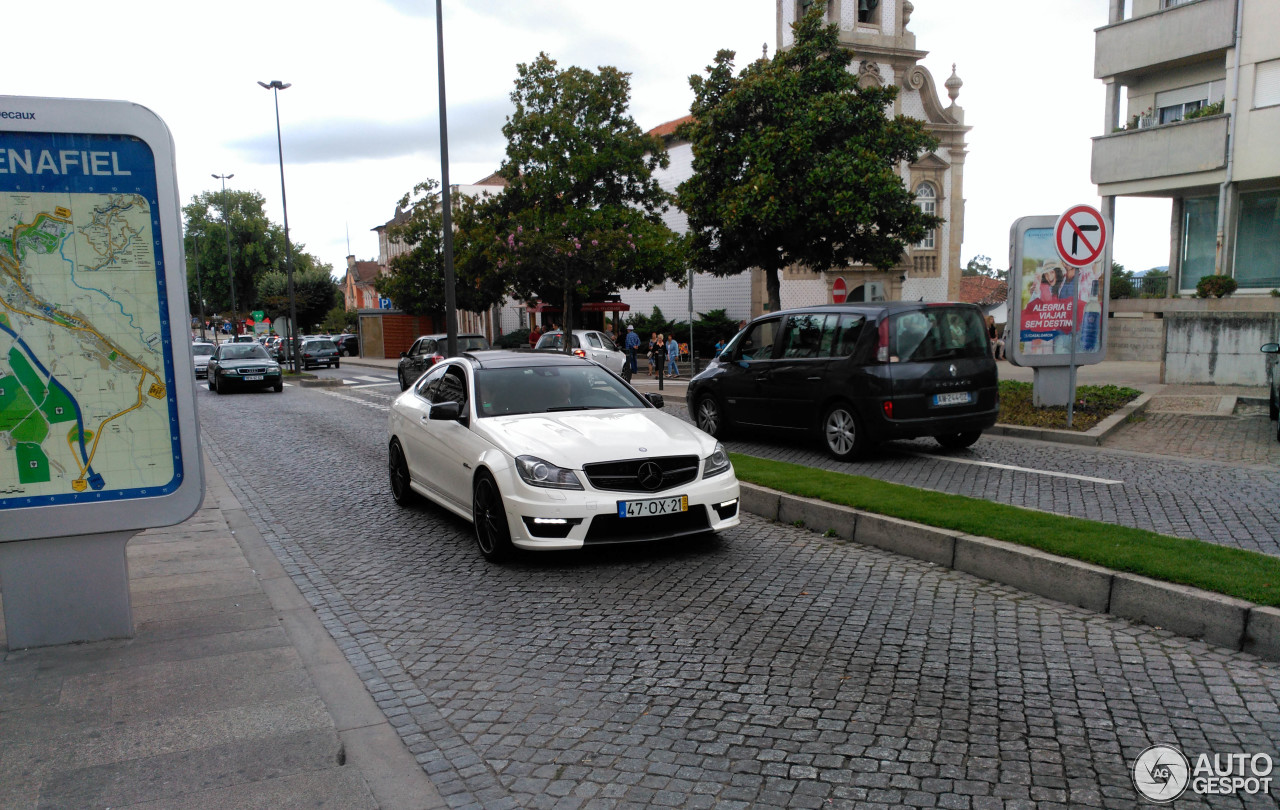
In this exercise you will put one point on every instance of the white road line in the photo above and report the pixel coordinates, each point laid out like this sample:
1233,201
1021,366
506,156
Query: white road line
358,401
371,379
353,387
1017,469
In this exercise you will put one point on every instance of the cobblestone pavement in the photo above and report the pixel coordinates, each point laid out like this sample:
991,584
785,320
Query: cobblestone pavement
1248,437
769,668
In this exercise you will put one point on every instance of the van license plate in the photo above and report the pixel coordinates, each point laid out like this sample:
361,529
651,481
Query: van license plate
653,506
958,398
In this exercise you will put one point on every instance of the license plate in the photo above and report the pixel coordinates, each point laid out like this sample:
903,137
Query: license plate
252,377
653,506
959,398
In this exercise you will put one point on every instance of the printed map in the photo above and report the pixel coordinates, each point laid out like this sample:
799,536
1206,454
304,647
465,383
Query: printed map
83,405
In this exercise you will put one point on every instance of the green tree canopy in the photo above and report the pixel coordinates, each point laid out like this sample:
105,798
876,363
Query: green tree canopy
257,248
314,291
794,163
581,214
415,282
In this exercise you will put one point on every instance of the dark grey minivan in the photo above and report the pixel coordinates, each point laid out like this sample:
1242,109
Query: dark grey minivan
856,375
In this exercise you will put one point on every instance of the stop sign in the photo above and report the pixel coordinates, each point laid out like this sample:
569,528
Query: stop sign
838,290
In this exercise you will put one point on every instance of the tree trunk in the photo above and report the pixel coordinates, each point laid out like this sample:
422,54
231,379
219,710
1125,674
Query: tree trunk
566,324
774,287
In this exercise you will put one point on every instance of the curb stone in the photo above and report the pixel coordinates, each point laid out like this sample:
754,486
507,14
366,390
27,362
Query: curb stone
1217,619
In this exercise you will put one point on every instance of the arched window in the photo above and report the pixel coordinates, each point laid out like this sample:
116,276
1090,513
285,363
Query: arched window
927,199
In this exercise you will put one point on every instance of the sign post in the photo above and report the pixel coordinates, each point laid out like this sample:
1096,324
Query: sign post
1060,270
96,388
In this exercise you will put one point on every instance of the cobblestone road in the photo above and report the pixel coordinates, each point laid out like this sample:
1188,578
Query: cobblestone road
771,667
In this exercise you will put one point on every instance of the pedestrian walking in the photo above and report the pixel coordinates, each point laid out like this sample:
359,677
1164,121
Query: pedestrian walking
673,354
633,346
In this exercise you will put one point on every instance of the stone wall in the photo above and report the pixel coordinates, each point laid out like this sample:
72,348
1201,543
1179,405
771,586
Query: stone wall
1135,338
1217,348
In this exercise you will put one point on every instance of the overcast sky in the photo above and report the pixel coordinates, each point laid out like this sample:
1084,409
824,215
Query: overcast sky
360,122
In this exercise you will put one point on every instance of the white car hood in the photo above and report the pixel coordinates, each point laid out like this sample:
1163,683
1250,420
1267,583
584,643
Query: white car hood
573,438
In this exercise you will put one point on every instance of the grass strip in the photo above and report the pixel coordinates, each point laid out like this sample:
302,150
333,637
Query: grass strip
1246,575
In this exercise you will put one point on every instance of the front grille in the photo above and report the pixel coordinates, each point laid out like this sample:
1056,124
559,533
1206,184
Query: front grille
613,529
633,474
243,370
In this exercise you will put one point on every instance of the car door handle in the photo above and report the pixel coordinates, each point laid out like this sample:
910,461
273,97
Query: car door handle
813,379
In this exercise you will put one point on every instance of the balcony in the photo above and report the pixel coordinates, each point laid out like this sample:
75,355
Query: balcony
1171,150
1178,35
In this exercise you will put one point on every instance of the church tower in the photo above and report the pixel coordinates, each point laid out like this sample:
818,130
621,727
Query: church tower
885,53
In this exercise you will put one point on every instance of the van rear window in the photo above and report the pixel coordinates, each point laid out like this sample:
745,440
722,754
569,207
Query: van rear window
937,333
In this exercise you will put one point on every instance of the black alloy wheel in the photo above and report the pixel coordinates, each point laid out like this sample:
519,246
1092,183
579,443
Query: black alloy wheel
959,441
404,386
398,470
842,434
493,536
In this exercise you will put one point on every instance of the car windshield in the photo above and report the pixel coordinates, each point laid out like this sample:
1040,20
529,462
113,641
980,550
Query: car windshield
244,351
202,349
548,389
937,333
555,340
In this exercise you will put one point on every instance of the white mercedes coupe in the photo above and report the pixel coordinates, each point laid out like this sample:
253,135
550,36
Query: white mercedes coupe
547,451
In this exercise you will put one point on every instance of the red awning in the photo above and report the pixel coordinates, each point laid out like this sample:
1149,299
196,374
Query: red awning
594,306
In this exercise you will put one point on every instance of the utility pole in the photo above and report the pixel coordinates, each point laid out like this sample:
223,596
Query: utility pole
231,273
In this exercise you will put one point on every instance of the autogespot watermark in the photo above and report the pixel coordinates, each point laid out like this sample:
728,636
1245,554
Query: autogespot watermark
1161,774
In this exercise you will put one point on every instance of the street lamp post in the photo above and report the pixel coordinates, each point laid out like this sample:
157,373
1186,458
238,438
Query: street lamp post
450,306
231,274
275,87
199,288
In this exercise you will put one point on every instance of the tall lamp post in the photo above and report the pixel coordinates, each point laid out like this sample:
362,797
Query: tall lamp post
199,288
231,274
275,87
450,305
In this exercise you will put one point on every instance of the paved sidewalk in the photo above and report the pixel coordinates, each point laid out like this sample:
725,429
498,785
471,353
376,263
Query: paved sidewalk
231,695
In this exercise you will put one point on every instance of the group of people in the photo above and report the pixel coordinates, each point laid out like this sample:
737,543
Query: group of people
662,353
1057,284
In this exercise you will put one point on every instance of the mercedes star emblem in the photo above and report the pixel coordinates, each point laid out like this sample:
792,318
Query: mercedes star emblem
649,476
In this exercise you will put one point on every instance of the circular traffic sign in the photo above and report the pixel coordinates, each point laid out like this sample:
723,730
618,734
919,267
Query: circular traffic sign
1080,235
838,290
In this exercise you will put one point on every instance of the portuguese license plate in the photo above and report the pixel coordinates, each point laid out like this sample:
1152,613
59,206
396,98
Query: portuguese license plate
252,377
653,507
957,398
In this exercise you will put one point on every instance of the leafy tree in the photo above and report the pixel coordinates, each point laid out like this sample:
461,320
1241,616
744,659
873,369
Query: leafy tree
979,265
794,163
257,248
339,319
581,214
314,291
1121,281
415,282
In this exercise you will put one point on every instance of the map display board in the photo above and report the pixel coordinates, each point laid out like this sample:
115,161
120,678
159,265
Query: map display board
92,330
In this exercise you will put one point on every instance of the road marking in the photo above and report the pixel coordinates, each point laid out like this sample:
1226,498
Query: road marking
353,387
1018,469
371,379
358,401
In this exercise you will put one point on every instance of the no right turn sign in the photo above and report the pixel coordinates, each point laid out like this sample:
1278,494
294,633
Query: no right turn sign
1080,235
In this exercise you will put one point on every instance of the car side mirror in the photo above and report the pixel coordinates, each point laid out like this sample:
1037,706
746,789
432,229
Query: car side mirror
404,354
655,400
446,412
1271,348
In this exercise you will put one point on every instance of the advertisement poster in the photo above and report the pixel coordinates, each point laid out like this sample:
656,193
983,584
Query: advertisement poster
1052,296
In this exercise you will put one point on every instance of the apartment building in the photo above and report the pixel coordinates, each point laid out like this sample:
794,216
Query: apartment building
1193,115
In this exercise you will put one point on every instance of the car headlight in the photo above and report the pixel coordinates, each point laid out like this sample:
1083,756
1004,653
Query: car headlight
538,473
717,462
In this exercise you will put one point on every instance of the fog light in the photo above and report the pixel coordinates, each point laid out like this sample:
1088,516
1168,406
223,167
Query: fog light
552,521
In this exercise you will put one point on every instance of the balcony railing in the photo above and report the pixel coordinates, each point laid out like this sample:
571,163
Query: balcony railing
1140,287
1177,34
1168,150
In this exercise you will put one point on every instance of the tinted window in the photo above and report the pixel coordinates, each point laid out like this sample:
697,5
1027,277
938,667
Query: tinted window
242,351
936,333
450,388
425,346
846,335
808,334
757,342
608,344
472,344
423,386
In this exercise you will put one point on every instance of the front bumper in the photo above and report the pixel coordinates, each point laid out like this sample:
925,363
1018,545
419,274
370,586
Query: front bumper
548,519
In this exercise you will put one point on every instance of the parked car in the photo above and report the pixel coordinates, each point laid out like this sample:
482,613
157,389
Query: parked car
428,350
1272,351
200,354
244,339
243,365
855,375
318,352
348,345
593,345
543,451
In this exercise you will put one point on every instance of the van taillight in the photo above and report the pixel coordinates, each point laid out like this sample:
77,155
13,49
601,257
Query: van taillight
882,342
